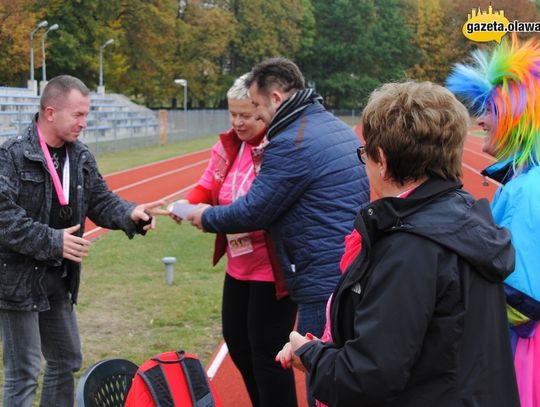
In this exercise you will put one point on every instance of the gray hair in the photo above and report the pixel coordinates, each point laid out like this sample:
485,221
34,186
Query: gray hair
58,88
239,90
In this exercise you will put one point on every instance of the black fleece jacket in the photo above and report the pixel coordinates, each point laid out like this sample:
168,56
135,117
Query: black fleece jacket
419,319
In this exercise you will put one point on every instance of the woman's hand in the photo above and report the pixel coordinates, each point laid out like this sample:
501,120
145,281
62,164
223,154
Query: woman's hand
287,356
177,219
196,217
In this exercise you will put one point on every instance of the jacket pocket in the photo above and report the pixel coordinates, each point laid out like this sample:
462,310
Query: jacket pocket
32,192
15,284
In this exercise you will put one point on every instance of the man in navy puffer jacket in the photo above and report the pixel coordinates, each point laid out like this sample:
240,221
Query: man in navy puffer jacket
308,192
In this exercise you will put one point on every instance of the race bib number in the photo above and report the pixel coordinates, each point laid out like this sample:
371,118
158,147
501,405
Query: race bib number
239,244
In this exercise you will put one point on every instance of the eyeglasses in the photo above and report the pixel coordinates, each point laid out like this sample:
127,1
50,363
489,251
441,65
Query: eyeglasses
362,154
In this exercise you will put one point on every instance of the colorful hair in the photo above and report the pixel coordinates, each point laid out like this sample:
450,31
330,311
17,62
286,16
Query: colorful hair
507,81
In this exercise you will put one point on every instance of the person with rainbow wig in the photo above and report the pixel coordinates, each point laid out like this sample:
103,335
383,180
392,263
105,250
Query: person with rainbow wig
502,88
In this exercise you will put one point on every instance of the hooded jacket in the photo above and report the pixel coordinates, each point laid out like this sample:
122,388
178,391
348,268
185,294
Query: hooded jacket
418,319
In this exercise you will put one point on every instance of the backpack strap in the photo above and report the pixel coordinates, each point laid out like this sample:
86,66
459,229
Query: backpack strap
196,379
158,386
198,385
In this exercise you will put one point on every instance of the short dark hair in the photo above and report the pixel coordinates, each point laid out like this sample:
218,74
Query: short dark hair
421,127
59,87
280,72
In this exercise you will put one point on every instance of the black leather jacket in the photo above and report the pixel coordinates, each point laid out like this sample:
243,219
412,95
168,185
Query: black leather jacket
27,244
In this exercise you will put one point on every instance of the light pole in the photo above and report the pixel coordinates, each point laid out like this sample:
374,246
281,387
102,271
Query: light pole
183,82
32,83
44,64
101,88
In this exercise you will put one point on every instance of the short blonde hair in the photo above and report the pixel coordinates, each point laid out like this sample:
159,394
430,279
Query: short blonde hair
239,90
420,126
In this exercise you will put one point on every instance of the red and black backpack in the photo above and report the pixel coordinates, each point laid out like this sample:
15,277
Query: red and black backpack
172,379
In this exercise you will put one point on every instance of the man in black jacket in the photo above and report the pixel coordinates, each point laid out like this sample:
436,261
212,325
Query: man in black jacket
49,184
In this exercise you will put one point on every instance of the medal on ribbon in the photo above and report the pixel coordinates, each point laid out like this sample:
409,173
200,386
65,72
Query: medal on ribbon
61,188
66,212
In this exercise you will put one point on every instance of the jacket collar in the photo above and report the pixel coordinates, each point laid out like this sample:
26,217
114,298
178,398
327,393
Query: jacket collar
388,213
231,142
34,151
501,171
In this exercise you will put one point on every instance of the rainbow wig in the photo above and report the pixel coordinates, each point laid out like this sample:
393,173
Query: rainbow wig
506,81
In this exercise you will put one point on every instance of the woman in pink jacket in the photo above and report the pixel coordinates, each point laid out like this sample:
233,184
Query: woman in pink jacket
257,314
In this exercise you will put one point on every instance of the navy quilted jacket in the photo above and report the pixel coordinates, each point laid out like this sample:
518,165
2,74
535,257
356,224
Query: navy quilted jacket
307,194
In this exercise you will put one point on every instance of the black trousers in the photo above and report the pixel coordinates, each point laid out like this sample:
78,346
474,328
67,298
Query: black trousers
255,328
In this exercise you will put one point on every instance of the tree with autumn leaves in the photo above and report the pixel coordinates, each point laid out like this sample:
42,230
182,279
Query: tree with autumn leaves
437,28
16,22
345,47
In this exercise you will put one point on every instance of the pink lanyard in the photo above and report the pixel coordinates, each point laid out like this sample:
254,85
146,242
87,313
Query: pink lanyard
61,192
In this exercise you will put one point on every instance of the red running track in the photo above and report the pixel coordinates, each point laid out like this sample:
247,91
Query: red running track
170,179
167,179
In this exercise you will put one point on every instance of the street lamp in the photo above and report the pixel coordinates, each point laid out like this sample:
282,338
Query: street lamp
44,65
183,82
32,83
101,88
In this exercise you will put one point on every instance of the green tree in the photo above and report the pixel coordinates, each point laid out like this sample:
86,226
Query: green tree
268,28
219,40
307,30
522,10
148,45
74,48
359,45
432,41
204,35
16,23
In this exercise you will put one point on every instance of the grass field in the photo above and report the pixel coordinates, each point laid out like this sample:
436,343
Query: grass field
125,307
127,310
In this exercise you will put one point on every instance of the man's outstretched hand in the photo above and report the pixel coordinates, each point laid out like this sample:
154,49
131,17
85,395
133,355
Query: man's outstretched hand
145,214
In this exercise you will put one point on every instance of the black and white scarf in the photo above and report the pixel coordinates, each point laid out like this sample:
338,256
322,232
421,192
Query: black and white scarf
291,109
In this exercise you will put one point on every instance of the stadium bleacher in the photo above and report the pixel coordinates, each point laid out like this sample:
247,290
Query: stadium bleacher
113,118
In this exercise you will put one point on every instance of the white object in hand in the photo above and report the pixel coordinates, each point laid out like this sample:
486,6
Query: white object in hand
183,209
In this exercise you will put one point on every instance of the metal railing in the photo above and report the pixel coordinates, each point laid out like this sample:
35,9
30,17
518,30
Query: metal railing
191,124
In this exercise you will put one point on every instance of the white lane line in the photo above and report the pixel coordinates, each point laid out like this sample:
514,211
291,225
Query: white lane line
479,153
157,162
179,192
218,360
95,230
163,174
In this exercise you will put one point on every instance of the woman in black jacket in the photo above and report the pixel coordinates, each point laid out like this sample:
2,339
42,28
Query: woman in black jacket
418,318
